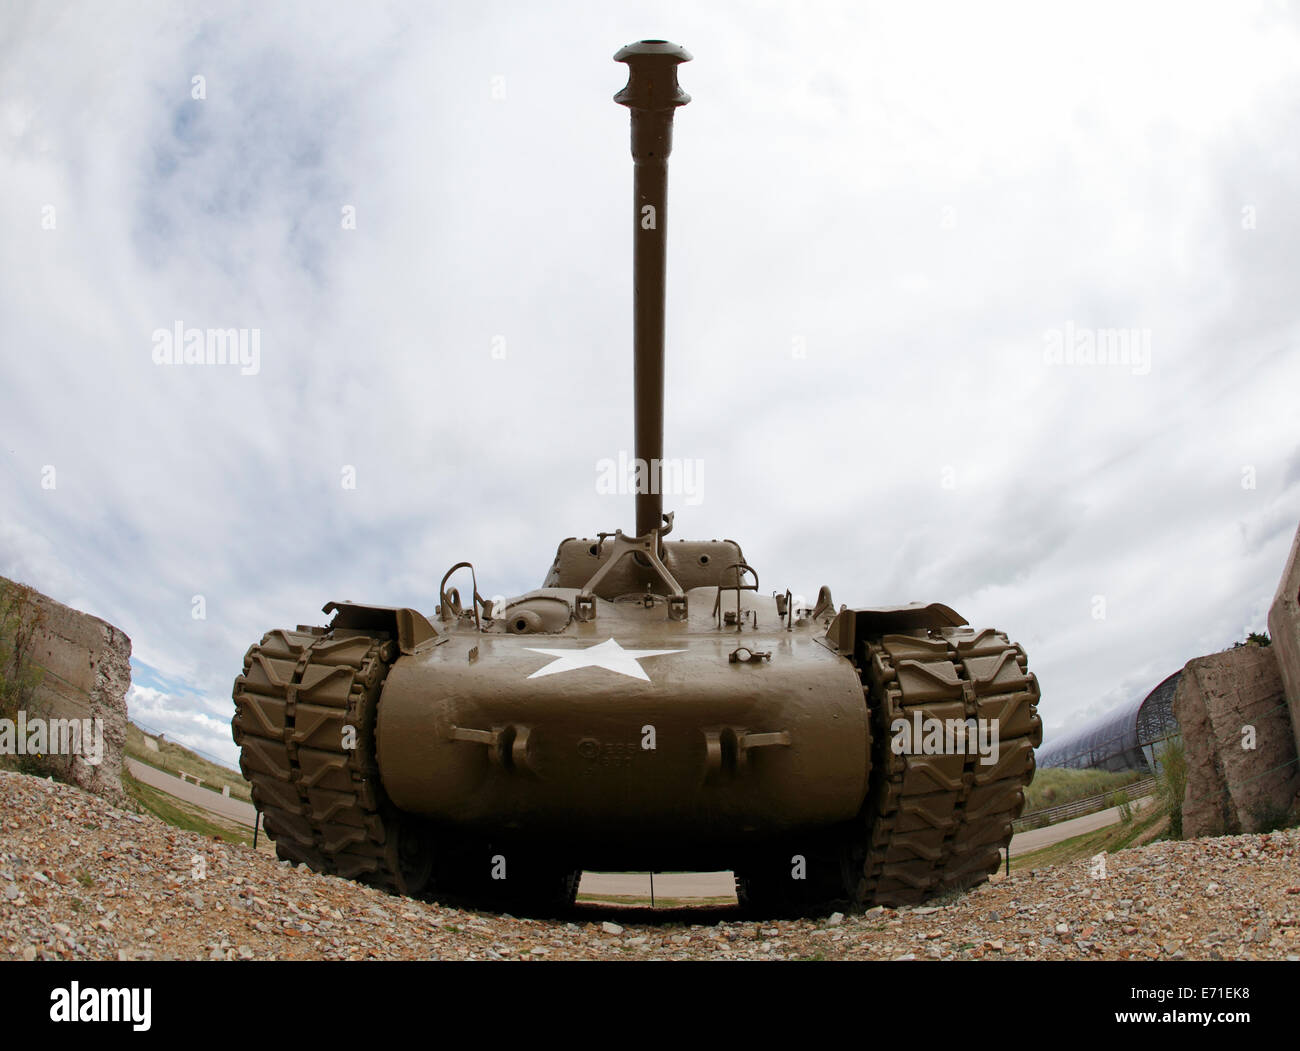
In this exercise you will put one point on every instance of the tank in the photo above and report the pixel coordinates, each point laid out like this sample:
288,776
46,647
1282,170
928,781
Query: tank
647,708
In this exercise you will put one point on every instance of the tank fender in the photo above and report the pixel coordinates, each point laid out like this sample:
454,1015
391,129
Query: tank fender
409,627
850,626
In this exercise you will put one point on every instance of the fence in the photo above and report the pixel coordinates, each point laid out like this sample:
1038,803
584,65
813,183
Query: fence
154,732
1079,807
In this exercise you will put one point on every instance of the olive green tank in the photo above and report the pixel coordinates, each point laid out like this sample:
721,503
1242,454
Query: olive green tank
647,708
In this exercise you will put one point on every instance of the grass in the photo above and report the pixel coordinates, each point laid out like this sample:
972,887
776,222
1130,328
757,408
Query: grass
1056,785
185,815
1172,781
175,759
1146,825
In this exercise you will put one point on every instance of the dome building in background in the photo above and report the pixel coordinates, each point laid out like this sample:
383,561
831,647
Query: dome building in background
1123,739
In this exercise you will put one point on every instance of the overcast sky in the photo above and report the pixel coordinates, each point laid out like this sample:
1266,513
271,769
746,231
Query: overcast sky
886,220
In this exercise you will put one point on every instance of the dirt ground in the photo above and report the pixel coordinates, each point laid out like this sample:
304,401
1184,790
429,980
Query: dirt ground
82,879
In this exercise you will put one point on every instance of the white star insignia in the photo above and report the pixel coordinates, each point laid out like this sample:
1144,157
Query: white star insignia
608,654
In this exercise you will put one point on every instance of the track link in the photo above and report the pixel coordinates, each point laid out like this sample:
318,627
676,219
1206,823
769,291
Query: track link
304,719
939,822
930,823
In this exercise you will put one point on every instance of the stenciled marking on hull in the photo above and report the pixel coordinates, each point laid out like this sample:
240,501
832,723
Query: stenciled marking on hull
608,655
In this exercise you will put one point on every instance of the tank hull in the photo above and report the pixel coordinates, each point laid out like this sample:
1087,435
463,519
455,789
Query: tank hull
436,759
703,749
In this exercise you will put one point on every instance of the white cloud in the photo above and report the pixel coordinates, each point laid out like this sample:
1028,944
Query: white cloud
916,193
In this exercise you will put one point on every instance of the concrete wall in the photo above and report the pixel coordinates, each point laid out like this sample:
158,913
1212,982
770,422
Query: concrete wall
1238,740
1284,630
85,671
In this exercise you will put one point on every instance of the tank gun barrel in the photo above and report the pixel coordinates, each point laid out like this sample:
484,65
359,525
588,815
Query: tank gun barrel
651,94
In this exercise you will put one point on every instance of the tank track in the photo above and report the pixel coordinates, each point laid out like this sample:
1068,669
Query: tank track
939,822
930,823
303,696
324,804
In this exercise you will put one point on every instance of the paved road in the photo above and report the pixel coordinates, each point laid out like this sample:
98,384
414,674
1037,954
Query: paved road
666,885
231,809
1037,838
626,884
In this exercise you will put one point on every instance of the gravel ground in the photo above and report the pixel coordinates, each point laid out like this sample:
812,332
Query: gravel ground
81,879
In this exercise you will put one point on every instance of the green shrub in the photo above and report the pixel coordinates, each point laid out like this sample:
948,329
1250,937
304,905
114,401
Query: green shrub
1171,762
1055,786
21,621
